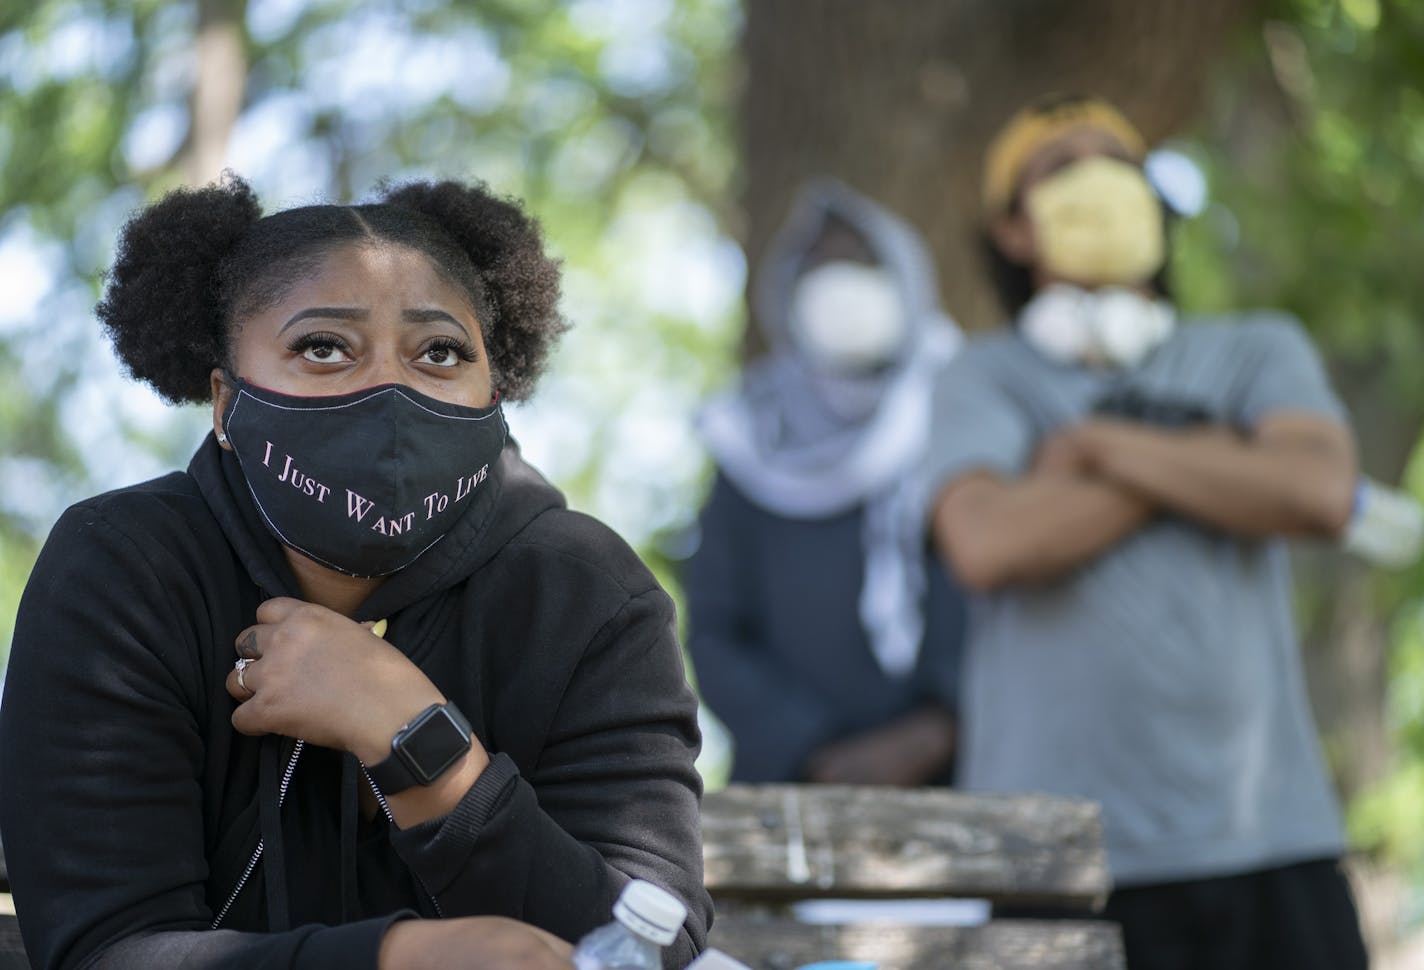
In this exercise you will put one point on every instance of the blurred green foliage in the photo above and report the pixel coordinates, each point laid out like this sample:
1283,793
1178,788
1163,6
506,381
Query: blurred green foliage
1387,817
612,119
608,117
1318,193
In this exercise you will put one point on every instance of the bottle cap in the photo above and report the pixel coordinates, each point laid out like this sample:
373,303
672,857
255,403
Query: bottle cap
650,911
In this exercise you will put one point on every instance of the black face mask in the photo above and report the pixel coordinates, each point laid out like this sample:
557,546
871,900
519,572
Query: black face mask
362,482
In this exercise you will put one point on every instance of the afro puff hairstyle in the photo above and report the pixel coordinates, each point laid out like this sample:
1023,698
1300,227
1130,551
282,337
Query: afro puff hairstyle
193,264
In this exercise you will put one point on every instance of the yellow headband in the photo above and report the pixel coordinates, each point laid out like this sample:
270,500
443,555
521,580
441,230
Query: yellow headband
1033,127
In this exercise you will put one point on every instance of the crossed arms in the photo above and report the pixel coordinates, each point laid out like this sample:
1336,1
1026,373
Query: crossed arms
1094,484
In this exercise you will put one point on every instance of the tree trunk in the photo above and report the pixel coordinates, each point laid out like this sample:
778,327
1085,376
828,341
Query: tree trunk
899,99
218,87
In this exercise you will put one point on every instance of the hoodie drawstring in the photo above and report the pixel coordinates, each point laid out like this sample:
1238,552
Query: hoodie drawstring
271,791
350,772
274,863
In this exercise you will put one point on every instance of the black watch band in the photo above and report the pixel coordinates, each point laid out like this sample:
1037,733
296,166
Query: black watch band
423,750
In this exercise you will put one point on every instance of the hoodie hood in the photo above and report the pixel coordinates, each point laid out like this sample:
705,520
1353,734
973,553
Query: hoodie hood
896,246
514,495
811,445
807,445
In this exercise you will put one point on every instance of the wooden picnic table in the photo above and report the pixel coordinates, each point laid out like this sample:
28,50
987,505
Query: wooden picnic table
767,847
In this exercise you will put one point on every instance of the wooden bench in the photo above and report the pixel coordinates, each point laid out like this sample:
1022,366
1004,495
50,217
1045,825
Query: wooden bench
766,847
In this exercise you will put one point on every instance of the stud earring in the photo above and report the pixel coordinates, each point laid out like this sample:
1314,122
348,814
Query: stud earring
222,438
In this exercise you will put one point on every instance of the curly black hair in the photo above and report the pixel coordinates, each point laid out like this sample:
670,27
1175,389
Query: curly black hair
197,261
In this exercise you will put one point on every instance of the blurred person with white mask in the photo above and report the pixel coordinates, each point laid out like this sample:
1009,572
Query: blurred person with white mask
1115,483
824,632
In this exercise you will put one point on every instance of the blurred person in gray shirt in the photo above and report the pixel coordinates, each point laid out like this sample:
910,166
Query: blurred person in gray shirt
1115,483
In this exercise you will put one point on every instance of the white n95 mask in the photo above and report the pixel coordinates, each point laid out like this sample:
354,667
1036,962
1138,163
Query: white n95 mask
1097,222
848,317
1113,326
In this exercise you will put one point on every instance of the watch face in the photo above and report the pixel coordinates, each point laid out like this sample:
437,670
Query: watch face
432,744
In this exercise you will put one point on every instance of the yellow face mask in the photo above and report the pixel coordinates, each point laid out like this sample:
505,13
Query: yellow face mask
1098,223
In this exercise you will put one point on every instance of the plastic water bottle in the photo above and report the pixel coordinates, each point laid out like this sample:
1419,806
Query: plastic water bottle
1386,527
645,919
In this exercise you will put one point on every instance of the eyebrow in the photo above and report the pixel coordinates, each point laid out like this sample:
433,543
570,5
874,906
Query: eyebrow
432,316
429,315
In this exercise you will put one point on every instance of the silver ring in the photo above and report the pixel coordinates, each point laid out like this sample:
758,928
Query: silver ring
241,668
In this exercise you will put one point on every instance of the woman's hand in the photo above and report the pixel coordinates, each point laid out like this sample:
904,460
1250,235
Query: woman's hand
471,943
318,676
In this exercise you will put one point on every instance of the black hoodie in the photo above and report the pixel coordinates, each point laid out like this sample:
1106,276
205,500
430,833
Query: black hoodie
132,811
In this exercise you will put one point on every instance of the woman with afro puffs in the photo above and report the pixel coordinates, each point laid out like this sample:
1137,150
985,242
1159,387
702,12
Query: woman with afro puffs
355,689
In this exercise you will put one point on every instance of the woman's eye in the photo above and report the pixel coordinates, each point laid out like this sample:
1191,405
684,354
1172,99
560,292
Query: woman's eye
440,357
447,353
321,348
325,353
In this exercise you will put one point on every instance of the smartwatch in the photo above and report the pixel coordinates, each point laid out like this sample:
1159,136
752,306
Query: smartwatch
423,750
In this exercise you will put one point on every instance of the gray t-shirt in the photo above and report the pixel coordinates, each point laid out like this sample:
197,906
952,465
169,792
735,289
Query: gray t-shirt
1163,678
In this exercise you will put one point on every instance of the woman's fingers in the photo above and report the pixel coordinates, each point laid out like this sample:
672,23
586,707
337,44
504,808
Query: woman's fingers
278,608
240,679
251,714
248,647
250,718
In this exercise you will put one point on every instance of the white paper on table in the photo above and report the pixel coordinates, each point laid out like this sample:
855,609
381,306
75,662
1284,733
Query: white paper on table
913,912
